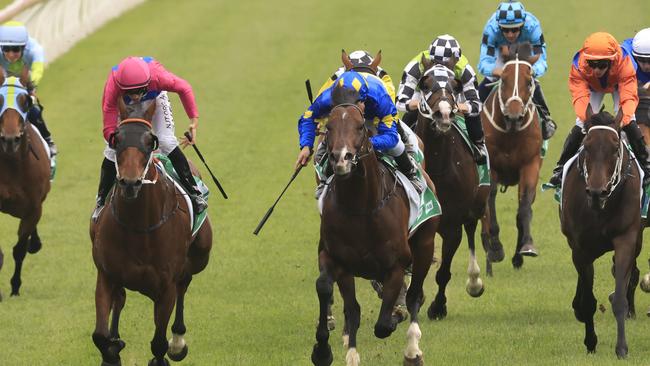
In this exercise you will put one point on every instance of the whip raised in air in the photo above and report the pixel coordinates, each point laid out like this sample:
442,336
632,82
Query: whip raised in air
189,138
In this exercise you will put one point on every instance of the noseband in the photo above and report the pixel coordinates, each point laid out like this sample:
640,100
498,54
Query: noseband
528,106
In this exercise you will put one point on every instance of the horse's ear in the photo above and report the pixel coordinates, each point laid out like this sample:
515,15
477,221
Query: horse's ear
121,106
2,101
375,63
148,114
2,78
505,52
451,63
618,119
24,77
426,62
345,59
589,112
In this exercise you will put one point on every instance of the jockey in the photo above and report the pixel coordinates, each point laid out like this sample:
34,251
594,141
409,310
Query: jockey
21,53
639,48
140,81
361,61
600,67
377,105
443,49
511,23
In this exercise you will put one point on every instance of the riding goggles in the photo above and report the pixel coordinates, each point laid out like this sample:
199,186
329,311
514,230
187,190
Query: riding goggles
599,64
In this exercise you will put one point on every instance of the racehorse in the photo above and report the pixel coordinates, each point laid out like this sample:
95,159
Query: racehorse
514,141
450,164
24,172
600,212
143,241
364,233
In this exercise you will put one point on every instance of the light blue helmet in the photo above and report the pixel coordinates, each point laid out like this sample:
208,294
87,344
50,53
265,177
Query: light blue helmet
511,14
354,80
13,33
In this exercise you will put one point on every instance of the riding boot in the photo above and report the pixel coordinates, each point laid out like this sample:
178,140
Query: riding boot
410,170
635,138
548,125
571,145
411,119
35,117
184,172
475,132
106,181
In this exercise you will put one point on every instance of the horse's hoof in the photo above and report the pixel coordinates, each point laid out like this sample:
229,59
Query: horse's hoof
528,250
437,312
417,361
382,331
400,313
322,357
621,353
179,356
154,362
645,283
118,363
331,323
476,290
495,252
34,246
517,261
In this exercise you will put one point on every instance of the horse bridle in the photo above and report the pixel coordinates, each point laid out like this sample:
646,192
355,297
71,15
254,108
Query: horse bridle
359,154
424,108
616,177
528,106
149,160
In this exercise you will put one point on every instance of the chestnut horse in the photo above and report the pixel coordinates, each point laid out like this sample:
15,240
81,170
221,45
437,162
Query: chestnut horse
514,141
24,172
450,164
600,212
364,233
143,241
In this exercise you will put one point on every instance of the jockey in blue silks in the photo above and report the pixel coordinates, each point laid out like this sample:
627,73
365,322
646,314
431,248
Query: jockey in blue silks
378,107
511,23
639,48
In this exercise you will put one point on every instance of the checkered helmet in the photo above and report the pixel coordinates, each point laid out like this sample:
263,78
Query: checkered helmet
443,48
360,58
511,14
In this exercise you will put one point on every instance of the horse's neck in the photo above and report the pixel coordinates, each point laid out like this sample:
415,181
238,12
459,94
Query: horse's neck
363,189
440,148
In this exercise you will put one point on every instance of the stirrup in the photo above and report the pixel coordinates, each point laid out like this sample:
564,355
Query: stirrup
98,209
198,204
549,128
556,179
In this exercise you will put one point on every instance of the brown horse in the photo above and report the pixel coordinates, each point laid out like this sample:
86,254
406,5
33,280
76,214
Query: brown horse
143,241
24,173
450,164
514,140
364,233
600,212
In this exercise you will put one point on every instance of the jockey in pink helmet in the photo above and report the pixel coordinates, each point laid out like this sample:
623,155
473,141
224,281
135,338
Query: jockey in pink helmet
140,82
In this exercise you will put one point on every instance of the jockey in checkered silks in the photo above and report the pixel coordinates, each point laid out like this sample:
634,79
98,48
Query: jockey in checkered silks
22,53
511,23
443,50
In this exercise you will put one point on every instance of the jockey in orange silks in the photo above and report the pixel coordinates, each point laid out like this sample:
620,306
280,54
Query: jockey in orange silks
601,66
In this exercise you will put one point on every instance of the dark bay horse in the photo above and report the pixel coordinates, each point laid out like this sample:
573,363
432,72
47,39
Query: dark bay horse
514,141
600,212
24,172
450,164
364,233
143,241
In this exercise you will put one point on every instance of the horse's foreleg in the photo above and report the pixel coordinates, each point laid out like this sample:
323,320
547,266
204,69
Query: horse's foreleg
198,254
529,176
163,307
110,349
352,312
584,302
2,259
386,323
486,242
474,285
624,259
119,299
25,229
322,353
422,248
496,252
177,346
451,238
35,243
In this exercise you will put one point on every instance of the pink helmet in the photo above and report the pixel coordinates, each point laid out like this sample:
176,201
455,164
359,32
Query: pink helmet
132,73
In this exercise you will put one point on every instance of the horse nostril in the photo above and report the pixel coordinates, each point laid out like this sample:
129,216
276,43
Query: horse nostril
17,139
348,156
137,183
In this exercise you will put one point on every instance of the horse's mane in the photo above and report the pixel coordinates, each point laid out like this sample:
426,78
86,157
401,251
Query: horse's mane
523,49
342,95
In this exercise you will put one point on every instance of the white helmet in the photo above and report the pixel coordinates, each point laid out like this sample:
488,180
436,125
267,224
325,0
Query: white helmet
13,33
641,43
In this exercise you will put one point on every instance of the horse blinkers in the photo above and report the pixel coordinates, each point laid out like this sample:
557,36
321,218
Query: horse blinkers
133,156
10,140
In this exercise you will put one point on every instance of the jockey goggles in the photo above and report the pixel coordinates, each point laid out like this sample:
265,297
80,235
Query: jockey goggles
599,64
642,60
510,30
138,91
12,48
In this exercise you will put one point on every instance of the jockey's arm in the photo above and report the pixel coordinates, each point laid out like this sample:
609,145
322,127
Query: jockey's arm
627,88
387,136
487,58
407,88
580,94
307,126
467,78
539,48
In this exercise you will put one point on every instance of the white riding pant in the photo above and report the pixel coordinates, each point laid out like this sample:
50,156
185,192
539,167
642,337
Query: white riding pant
163,124
596,101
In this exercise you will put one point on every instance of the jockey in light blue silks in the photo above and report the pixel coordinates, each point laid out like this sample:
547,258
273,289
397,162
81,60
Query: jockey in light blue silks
22,53
378,107
639,48
511,23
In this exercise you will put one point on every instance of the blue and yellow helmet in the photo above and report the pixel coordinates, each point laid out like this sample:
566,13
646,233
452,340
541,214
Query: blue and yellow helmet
511,14
354,80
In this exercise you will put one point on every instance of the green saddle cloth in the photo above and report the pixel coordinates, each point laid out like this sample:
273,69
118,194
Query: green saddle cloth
483,169
199,219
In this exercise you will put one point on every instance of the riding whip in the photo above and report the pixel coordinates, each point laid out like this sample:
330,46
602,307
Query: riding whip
295,174
189,138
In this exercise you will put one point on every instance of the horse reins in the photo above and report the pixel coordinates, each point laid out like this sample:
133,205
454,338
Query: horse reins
528,106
